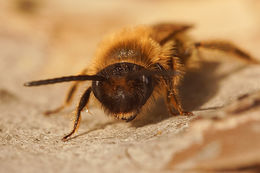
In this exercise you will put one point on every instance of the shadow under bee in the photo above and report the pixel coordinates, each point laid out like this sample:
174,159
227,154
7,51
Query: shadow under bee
196,89
200,85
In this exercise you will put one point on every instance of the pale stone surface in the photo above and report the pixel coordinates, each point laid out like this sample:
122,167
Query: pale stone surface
59,38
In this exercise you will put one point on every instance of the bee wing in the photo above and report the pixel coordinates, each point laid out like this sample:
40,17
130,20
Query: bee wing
163,32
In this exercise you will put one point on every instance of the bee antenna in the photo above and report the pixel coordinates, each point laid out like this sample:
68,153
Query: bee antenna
65,79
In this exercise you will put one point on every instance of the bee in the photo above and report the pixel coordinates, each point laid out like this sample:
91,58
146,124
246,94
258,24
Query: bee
137,65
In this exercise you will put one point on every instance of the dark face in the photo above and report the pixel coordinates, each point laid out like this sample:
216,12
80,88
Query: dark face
126,89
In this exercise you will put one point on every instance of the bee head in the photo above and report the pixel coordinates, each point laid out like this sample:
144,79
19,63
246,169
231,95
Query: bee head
126,89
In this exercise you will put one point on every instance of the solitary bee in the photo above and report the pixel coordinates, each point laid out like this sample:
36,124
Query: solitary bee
135,65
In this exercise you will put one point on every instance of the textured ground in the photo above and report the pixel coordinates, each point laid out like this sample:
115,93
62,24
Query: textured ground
45,38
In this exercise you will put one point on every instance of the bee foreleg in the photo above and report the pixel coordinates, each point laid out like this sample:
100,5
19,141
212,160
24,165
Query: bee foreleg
83,102
172,99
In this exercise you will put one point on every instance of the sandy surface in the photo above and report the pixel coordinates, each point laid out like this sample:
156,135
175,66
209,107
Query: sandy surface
47,38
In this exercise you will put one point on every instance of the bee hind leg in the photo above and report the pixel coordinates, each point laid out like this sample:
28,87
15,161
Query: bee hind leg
227,47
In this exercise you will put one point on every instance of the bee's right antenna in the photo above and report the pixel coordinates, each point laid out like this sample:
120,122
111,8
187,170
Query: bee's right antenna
65,79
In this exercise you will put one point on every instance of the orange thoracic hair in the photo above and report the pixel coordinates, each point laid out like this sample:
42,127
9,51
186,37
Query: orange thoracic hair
135,45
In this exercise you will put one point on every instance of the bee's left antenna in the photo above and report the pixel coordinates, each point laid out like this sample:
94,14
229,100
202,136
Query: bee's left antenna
64,79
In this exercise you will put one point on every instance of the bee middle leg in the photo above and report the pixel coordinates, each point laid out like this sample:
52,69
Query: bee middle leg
68,99
67,102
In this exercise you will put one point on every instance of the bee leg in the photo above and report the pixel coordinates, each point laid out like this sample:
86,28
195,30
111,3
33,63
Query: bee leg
172,99
83,102
67,102
227,47
171,94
